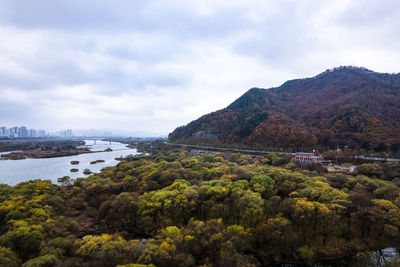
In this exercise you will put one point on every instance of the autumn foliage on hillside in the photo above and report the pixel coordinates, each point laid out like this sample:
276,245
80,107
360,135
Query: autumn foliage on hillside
346,106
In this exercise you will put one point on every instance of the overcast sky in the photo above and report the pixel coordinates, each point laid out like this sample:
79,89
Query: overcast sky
155,65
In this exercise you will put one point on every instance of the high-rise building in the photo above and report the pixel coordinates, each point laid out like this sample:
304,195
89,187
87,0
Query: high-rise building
42,133
14,132
22,132
3,132
32,133
66,133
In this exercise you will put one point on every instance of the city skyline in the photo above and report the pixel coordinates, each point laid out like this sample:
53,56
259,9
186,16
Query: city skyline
23,132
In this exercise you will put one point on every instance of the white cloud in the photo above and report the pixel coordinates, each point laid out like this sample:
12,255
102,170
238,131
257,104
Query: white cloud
154,65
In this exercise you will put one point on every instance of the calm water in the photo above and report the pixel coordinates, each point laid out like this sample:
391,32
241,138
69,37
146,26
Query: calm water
15,171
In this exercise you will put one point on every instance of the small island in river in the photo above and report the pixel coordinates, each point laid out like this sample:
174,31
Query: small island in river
44,153
97,161
42,149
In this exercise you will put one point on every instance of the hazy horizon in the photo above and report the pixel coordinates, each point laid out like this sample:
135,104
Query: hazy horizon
101,131
155,65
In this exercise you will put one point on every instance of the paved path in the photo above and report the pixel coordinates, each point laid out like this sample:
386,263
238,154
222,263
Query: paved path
250,151
378,159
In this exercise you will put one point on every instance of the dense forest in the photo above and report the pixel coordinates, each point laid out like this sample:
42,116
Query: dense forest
345,107
180,208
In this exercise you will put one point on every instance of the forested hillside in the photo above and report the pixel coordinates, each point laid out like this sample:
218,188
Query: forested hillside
346,106
173,209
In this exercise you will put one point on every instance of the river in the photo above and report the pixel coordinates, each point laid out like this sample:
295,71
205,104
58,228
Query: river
15,171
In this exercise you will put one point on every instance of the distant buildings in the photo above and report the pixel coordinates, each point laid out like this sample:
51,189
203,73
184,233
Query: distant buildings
41,133
13,132
3,132
32,133
66,133
20,133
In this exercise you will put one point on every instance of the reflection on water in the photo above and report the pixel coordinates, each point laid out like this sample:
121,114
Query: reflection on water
16,171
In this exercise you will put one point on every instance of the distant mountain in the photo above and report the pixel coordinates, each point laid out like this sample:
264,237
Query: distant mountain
345,106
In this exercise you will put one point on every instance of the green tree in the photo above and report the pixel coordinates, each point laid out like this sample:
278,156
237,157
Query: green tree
264,185
8,258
